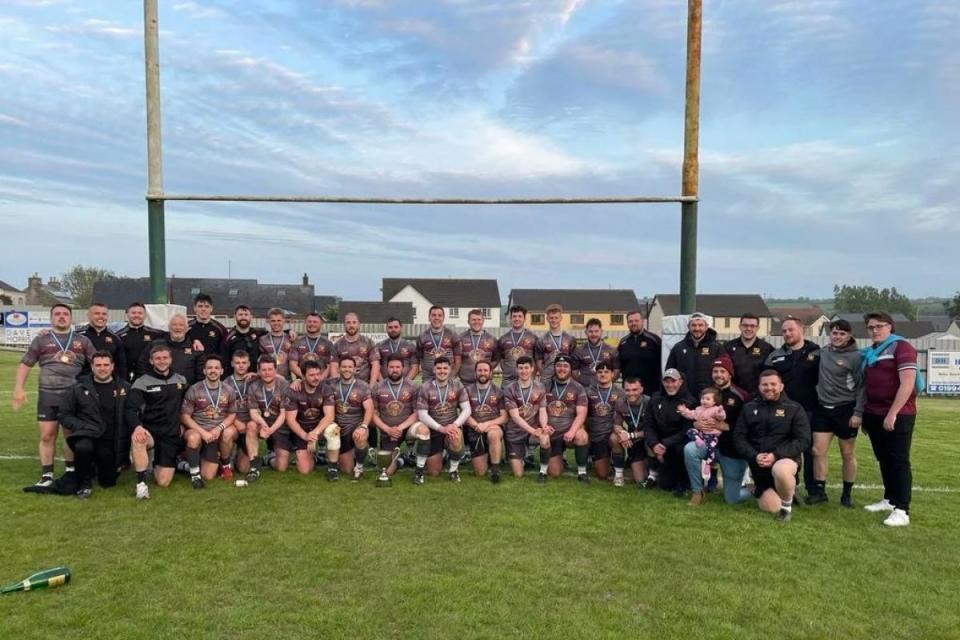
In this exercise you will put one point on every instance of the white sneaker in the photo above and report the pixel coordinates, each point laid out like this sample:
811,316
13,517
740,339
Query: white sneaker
897,518
357,472
618,481
143,492
876,507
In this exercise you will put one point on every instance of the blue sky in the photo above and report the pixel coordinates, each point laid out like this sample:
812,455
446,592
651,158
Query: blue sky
828,141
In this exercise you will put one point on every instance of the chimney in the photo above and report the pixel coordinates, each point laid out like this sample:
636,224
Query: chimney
306,280
34,282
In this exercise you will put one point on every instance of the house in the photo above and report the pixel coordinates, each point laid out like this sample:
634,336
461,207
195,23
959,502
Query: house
45,295
940,322
726,309
18,299
813,318
906,328
294,299
857,318
610,306
376,312
457,296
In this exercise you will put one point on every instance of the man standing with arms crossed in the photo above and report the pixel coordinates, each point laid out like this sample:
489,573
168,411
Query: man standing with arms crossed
153,410
748,354
359,347
276,343
516,343
594,351
477,345
437,341
395,344
553,343
136,338
61,354
639,353
312,347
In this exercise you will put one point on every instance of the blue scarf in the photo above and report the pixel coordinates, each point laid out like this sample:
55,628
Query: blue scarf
870,355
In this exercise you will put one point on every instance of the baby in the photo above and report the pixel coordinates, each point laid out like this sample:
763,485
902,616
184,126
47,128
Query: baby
706,421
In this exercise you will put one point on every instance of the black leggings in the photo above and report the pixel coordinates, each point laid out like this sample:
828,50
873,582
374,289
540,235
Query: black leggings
95,456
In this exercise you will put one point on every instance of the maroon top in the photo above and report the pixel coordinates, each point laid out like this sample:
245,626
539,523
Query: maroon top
208,407
394,402
347,399
882,380
528,401
362,350
404,348
482,348
431,345
279,348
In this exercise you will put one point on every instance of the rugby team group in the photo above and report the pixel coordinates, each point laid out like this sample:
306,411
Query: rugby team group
217,402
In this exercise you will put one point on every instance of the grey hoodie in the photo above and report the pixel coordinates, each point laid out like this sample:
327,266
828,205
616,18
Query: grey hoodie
841,379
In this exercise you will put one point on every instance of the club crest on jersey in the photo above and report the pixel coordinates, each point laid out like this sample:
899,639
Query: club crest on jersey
212,334
731,402
811,357
643,343
147,338
705,351
755,351
188,352
109,339
779,413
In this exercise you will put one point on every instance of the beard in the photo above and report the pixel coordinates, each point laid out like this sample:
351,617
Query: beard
395,377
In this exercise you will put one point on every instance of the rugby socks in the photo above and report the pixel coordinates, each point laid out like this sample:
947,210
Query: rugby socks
141,476
618,464
68,466
787,505
544,460
423,450
193,459
581,454
847,488
46,472
821,486
360,457
455,457
226,463
255,463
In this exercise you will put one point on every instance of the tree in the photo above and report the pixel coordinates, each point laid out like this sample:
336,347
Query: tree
857,299
331,313
79,281
952,307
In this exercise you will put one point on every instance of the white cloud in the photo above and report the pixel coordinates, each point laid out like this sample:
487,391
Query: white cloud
98,27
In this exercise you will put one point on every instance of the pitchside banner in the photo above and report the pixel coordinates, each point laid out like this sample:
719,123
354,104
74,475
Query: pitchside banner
18,328
943,372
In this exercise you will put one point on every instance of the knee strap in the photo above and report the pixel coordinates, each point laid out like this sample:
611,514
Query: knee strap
332,435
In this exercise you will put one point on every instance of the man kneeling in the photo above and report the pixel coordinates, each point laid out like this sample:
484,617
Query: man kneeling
209,409
772,433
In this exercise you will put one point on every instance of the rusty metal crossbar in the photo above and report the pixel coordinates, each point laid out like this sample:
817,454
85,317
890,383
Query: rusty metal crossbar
445,201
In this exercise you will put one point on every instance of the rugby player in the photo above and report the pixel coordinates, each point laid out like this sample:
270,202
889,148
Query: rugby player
555,341
591,353
484,428
626,441
477,345
267,417
516,343
395,408
602,398
209,409
61,354
395,344
313,347
525,401
303,408
206,333
358,347
566,402
348,407
442,408
437,341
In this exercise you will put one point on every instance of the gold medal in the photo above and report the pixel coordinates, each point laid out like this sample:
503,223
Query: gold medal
438,353
281,356
476,355
526,410
516,352
394,408
343,407
311,413
557,408
602,409
64,358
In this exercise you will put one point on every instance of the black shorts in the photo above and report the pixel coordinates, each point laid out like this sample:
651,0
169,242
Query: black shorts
516,450
286,440
166,450
477,441
210,451
437,442
835,420
346,438
637,451
557,445
49,403
387,443
600,449
762,479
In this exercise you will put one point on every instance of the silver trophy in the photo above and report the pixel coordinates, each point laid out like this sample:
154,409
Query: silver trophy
384,460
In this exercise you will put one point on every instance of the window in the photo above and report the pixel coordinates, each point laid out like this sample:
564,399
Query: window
616,319
194,291
486,313
233,293
536,319
726,323
454,312
281,293
576,318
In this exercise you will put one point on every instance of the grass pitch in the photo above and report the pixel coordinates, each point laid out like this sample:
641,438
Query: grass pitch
296,557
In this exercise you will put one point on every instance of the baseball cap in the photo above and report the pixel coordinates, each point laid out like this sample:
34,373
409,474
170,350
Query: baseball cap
602,365
562,358
672,373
